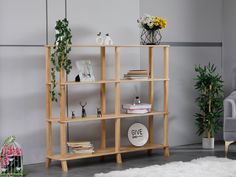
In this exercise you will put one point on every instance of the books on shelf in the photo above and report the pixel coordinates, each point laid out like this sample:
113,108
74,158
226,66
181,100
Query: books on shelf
137,106
136,74
141,108
84,147
138,111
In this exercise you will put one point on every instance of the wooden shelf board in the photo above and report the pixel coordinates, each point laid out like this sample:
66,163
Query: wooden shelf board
54,120
88,82
97,153
90,118
111,81
142,80
124,115
106,151
145,147
106,117
88,45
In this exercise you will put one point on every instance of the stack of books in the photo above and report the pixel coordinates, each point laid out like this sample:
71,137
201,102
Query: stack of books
85,147
136,74
141,108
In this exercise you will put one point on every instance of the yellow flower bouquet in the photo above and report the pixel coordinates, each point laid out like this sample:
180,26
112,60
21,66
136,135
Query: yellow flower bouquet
151,26
152,22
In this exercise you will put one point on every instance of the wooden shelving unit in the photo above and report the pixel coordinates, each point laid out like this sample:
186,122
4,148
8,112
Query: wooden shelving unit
117,150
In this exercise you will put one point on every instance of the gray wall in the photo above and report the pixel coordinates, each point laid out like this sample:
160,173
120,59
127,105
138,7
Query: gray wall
26,26
229,40
191,25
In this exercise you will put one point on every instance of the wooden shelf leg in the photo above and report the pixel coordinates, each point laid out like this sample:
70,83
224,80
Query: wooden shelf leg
103,99
64,166
118,159
48,107
151,132
165,124
48,162
166,151
117,106
151,99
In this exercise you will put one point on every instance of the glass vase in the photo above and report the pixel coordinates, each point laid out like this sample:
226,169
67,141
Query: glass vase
150,37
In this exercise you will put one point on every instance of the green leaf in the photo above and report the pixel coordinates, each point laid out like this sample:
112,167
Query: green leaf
59,57
209,85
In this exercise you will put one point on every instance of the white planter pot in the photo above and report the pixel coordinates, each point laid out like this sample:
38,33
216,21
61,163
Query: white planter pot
208,143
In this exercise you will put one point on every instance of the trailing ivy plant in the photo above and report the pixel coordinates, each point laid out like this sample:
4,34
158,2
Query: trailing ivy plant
60,55
209,85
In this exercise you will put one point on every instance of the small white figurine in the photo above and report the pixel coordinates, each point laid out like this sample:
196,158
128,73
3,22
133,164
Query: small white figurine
99,39
107,40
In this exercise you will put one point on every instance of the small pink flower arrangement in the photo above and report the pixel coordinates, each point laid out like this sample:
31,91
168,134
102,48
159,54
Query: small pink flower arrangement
4,161
8,151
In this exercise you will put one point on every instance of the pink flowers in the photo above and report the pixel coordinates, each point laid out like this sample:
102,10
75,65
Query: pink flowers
8,151
4,161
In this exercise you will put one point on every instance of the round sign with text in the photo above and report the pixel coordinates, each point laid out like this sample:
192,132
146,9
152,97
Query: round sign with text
138,134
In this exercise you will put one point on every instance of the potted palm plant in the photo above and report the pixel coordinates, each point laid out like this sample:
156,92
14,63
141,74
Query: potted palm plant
209,85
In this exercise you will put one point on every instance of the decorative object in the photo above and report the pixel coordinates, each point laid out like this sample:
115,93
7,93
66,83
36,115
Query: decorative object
136,101
11,158
151,26
72,114
209,85
138,134
117,149
99,39
140,108
85,70
229,120
60,56
107,40
83,109
202,167
84,147
99,112
77,78
208,143
136,74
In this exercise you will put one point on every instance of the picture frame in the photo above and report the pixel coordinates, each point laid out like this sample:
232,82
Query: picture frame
85,70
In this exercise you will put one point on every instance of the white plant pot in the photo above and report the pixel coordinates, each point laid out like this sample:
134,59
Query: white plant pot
208,143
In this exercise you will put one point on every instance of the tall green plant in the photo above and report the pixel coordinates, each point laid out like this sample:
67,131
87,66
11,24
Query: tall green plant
60,56
209,85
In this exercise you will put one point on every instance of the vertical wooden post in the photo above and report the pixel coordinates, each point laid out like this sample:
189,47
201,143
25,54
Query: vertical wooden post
103,96
165,124
48,106
151,97
63,138
117,105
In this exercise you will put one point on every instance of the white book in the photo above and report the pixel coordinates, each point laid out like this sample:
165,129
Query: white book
80,144
133,78
137,106
83,151
141,111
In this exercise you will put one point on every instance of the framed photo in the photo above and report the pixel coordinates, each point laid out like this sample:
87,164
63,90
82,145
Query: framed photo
85,70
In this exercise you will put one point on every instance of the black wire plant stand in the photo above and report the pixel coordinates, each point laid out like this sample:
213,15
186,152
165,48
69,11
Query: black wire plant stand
150,37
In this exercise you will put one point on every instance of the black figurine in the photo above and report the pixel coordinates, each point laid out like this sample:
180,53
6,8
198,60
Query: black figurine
77,78
72,114
83,109
99,112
